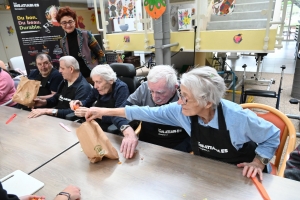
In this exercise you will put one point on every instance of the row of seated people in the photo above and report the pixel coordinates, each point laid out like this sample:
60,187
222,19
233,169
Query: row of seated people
58,88
248,146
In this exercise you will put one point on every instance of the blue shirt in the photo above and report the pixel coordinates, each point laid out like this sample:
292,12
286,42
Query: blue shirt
120,94
243,124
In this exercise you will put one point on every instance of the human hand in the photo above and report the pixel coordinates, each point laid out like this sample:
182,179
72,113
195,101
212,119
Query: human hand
129,143
74,104
32,197
93,113
253,168
80,112
37,112
39,102
73,191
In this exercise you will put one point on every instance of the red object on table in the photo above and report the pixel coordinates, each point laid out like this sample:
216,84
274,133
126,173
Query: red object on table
260,188
11,118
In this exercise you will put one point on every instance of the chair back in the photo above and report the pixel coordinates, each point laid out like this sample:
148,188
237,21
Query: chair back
286,127
126,72
17,63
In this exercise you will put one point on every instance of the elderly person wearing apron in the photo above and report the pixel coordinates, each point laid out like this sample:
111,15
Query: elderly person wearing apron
219,129
159,90
108,92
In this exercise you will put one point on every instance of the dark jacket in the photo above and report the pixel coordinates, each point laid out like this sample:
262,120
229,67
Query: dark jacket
292,170
89,48
79,90
120,94
5,196
54,78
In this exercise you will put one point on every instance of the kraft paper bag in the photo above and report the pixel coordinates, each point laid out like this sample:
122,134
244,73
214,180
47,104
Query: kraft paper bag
95,143
26,92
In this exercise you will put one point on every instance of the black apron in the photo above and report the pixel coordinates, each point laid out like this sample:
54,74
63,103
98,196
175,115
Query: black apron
106,104
165,135
44,90
65,95
216,144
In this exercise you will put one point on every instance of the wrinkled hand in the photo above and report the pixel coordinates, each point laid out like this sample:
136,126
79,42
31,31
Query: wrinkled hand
37,112
253,168
73,191
73,103
93,113
32,197
129,143
39,102
80,112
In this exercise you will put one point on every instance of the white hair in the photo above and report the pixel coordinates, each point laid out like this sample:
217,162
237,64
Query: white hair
165,72
70,61
53,8
105,71
205,84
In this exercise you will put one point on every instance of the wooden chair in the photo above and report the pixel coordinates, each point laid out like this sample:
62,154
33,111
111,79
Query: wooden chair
138,129
287,133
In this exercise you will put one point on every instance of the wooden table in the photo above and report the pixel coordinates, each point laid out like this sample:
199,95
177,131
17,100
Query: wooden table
27,143
155,173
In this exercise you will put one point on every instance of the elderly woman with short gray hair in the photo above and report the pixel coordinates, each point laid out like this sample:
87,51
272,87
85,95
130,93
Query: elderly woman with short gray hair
108,92
220,129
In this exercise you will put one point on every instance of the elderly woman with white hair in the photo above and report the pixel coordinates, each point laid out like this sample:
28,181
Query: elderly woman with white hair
219,129
108,92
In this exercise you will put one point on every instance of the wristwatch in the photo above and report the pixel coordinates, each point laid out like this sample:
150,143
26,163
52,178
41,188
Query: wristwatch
264,161
54,112
123,127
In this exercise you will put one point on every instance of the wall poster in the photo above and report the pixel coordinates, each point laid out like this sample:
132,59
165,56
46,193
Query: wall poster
37,29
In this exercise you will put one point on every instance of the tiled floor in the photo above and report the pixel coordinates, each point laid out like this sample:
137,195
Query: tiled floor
271,63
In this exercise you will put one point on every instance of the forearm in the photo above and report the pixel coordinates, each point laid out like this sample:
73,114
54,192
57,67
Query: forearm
61,113
46,96
117,112
119,121
268,148
52,101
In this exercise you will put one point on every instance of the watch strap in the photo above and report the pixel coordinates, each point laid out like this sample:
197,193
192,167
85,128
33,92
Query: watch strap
124,127
65,194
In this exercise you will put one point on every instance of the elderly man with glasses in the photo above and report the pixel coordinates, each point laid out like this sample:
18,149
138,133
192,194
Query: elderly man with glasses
160,89
220,129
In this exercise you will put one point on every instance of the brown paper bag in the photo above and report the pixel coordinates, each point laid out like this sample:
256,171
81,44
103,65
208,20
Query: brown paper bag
26,92
95,143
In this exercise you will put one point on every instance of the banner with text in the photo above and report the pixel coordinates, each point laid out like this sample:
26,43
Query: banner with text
37,29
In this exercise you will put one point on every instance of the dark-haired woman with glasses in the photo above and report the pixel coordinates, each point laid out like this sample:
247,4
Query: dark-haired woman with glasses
79,43
220,129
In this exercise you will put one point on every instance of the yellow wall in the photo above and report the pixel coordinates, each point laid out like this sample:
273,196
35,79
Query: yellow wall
253,41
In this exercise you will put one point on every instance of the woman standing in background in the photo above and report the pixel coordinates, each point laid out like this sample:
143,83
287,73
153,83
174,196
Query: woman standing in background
79,43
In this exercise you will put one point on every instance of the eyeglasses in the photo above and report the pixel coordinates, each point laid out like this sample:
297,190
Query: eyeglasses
65,23
180,96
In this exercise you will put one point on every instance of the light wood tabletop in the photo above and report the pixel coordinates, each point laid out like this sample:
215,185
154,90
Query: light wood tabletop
155,173
27,143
